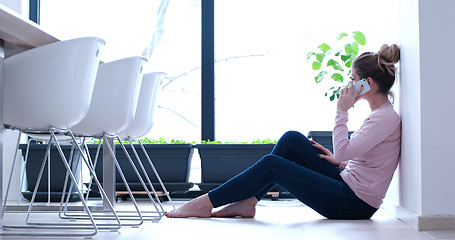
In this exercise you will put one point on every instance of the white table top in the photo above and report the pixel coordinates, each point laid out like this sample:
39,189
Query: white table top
20,33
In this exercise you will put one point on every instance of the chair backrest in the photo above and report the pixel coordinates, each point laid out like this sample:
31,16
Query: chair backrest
114,99
146,106
51,86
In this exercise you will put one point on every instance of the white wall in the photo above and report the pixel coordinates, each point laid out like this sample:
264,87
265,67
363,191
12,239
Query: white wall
410,165
437,36
19,6
427,102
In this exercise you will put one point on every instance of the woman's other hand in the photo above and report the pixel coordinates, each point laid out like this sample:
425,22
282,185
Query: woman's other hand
326,154
348,96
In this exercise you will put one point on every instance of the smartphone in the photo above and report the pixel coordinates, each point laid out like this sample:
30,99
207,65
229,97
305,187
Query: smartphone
363,82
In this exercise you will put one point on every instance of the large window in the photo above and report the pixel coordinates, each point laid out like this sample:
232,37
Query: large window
264,85
166,32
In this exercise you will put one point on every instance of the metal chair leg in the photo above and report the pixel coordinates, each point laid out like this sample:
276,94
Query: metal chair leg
11,175
119,169
160,214
61,207
36,227
129,217
147,176
27,151
102,192
156,174
93,164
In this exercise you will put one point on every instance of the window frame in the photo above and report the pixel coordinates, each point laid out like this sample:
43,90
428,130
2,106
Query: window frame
34,11
208,70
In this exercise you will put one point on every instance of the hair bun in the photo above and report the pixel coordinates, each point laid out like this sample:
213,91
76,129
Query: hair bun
388,56
391,54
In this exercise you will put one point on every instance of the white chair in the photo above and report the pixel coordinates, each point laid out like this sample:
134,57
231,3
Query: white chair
147,104
143,123
140,125
48,90
114,99
59,76
112,110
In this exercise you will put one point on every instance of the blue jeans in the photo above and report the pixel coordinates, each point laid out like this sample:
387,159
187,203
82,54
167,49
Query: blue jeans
294,165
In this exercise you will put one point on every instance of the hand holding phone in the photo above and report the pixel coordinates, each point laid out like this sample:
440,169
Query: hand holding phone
347,98
363,82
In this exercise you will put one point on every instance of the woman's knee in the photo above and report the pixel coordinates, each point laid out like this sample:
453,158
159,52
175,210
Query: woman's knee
293,135
271,160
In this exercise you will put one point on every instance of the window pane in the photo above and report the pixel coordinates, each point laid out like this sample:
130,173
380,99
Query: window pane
167,32
179,56
264,85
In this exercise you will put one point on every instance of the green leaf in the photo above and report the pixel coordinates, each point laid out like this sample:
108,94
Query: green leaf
348,64
355,48
347,48
320,76
359,37
344,58
334,94
316,65
324,47
338,53
341,35
337,77
335,65
308,56
320,57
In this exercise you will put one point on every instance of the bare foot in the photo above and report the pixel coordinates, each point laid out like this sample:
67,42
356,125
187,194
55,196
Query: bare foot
198,207
244,209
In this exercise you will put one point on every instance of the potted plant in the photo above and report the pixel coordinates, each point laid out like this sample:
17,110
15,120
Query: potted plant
222,161
172,160
334,60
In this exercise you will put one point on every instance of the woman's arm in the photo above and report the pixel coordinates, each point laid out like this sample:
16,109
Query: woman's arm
347,99
376,128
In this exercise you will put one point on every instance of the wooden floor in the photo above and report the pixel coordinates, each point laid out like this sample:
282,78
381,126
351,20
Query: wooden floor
282,219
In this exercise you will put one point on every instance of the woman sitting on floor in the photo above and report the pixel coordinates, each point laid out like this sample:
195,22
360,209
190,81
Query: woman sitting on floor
349,184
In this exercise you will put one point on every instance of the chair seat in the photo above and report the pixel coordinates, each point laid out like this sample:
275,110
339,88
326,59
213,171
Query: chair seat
43,137
50,86
114,99
142,122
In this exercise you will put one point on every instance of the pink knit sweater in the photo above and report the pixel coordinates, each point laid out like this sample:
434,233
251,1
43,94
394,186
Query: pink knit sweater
370,157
